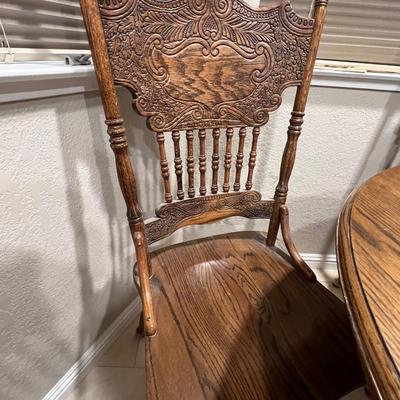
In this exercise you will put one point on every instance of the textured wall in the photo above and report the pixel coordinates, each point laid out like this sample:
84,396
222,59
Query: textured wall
64,265
348,135
64,249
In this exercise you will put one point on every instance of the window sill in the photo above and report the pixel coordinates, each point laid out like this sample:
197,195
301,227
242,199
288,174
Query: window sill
35,80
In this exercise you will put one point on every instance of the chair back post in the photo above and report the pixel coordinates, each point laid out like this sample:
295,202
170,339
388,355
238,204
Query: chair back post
119,144
296,122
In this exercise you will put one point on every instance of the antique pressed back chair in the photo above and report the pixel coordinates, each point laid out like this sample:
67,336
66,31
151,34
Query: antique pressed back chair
226,317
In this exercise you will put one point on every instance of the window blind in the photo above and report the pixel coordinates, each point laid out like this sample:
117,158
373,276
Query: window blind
355,30
359,30
42,29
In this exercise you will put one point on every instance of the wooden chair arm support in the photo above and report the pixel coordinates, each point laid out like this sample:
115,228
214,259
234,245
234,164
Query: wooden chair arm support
298,261
149,322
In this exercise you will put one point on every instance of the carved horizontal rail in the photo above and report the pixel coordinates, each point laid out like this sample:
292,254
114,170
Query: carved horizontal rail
204,209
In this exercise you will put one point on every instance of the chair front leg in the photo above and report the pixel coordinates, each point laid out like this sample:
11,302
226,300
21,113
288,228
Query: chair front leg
298,261
149,323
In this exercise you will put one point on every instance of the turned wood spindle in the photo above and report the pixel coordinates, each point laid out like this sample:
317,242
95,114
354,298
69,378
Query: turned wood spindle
295,124
215,160
178,164
228,159
252,157
190,163
239,158
202,161
164,166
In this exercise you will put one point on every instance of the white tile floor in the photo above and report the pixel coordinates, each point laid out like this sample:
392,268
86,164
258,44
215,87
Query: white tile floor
119,372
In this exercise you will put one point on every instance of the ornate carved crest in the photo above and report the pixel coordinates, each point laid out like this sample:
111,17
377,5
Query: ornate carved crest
205,63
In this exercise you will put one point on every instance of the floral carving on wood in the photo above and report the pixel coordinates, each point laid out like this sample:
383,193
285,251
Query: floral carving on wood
203,209
205,63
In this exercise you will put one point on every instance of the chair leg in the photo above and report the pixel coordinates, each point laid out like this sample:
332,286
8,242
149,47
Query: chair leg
140,327
298,261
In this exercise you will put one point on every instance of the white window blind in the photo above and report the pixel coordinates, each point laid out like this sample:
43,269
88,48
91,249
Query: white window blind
359,30
42,29
355,30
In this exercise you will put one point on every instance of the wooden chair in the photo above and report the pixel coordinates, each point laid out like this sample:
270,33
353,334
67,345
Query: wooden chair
226,317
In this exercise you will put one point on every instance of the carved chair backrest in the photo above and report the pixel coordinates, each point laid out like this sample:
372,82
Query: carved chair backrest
198,68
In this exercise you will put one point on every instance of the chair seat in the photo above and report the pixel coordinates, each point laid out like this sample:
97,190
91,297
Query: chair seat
236,321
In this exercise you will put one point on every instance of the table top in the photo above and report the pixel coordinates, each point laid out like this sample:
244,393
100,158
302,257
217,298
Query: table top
368,248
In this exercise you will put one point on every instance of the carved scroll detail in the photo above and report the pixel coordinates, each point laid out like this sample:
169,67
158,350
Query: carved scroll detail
148,40
206,209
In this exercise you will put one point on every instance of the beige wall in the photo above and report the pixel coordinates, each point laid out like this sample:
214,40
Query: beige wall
65,255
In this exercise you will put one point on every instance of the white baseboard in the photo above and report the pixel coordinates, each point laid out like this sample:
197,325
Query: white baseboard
80,369
321,261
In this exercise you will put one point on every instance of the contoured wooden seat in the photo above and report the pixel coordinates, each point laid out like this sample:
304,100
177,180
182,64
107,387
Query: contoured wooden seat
226,317
237,321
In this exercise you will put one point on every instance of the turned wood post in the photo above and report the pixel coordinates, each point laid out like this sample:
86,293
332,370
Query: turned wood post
296,122
118,141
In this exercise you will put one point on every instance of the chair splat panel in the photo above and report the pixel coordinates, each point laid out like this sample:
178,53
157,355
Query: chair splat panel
205,63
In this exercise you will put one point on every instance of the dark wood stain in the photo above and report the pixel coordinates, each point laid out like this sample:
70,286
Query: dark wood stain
237,322
228,317
368,246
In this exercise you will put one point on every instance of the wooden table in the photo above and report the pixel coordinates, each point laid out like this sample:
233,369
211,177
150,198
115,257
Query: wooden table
368,248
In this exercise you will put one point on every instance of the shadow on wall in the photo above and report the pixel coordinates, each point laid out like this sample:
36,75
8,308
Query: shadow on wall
381,152
384,150
24,343
101,299
144,154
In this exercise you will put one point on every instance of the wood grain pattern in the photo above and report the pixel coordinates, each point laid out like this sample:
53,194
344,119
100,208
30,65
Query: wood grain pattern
368,247
296,122
159,47
205,63
200,210
238,323
119,144
297,260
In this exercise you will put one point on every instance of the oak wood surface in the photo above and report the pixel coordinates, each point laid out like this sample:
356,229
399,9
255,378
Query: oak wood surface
206,209
136,43
236,321
204,63
368,246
